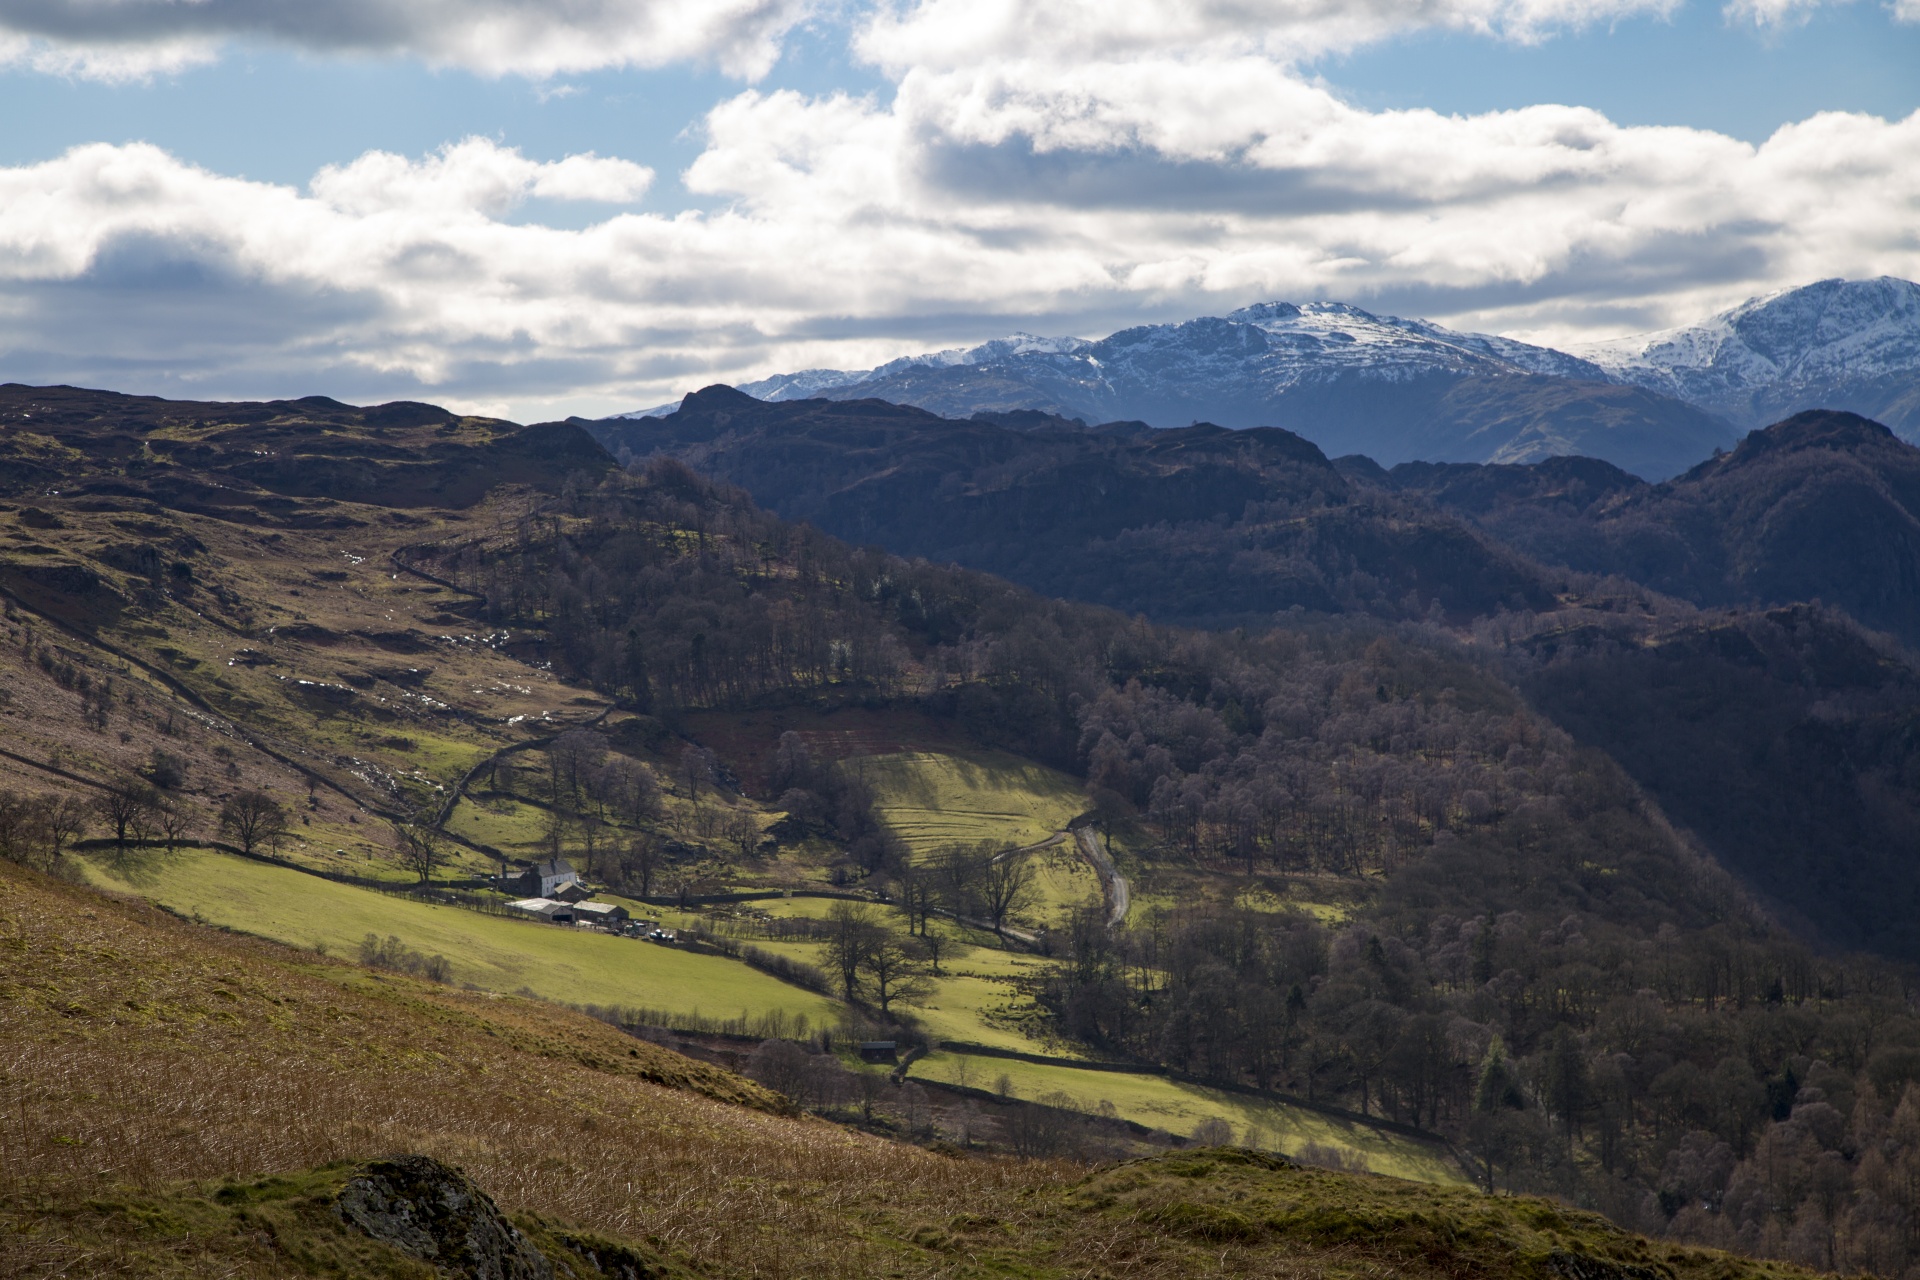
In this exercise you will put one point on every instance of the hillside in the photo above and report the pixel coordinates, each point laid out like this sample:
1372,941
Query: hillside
204,599
1334,889
1849,345
1820,506
1198,525
192,1104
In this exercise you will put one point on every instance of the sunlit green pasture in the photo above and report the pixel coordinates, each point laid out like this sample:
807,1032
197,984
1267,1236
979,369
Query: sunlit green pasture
507,825
492,952
1177,1107
931,798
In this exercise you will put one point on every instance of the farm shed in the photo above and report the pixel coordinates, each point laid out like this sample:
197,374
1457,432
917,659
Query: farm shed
605,914
546,909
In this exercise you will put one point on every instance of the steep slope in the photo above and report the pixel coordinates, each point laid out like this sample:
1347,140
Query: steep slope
1836,344
203,599
1821,506
1785,740
1198,524
1365,872
1350,381
1517,951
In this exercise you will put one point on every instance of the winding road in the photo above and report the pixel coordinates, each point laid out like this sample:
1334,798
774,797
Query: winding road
1119,898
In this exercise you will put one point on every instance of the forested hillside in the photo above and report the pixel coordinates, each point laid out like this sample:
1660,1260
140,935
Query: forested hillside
1244,527
1530,960
1406,856
1199,525
1823,506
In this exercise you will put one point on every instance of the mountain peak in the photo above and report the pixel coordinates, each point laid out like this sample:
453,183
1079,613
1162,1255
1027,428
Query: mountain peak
1815,429
1841,344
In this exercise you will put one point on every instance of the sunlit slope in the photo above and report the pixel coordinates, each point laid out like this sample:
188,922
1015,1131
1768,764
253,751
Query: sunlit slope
492,952
154,1066
933,798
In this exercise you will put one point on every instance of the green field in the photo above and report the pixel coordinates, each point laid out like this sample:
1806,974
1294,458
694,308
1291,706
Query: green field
1063,881
1177,1107
507,825
491,952
931,798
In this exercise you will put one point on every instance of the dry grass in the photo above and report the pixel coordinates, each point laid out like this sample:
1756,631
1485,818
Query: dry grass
136,1051
142,1057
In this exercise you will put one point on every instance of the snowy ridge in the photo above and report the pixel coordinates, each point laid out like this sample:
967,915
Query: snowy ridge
1825,342
1349,378
1257,350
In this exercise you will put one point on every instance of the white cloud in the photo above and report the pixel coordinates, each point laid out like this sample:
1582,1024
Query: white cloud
129,39
1074,181
938,34
1775,14
477,177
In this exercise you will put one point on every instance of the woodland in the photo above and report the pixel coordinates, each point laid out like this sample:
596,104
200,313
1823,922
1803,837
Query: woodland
1601,886
1542,968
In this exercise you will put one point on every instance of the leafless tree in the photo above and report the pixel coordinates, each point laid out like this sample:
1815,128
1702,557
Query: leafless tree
1006,887
918,894
126,807
781,1065
933,944
22,828
422,848
639,860
253,818
852,926
868,1088
696,769
957,870
743,831
893,967
175,822
573,758
63,819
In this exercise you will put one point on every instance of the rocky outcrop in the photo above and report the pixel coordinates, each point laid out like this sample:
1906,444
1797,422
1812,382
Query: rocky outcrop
433,1212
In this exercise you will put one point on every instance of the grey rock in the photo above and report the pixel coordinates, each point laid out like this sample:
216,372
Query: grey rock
434,1212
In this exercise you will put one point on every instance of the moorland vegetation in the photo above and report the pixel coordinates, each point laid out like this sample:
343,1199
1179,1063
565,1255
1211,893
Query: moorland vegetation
1387,863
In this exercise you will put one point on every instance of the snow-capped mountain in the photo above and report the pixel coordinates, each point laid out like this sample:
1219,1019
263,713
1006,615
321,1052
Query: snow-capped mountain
1347,379
1837,344
1264,348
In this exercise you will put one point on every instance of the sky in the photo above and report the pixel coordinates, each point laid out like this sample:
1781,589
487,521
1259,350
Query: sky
533,208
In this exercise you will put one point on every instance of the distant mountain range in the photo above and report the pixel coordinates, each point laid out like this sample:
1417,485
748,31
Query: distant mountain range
1206,526
1401,390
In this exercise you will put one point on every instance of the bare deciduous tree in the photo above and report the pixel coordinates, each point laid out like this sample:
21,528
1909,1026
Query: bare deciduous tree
253,818
1006,886
893,967
175,822
422,848
63,819
697,766
639,860
125,807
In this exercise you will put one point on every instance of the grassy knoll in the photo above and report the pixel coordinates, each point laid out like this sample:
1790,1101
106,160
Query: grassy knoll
1177,1107
937,797
176,1092
490,952
1062,883
510,826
